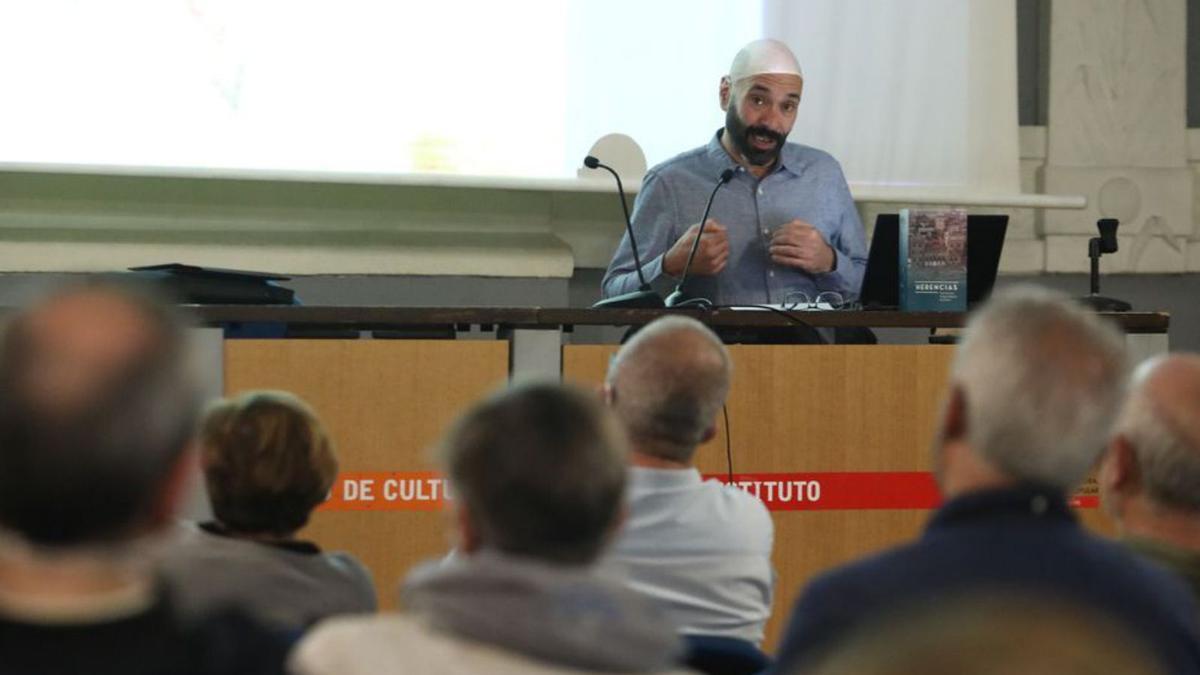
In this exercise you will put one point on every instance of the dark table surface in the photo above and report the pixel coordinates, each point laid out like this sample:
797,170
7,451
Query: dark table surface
373,318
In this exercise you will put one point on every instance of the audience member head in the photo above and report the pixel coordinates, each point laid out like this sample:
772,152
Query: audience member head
267,462
1152,468
991,635
667,385
97,407
538,471
760,97
1034,390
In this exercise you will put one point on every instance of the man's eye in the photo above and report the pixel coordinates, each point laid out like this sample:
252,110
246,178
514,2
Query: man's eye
756,100
789,108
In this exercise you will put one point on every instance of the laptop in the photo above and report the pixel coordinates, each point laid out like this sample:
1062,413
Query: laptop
881,281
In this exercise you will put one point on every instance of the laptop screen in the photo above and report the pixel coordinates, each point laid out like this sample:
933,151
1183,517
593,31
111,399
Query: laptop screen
881,281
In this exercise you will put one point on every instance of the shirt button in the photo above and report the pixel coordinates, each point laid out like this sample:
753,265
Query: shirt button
760,191
766,232
771,273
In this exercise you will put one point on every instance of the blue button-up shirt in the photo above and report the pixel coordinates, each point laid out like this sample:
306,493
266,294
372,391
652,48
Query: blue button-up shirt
806,183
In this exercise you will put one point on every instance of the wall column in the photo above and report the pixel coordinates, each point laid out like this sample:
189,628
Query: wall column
1117,133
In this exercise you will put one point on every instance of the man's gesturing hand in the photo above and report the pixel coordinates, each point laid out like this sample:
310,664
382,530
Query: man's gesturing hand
799,244
711,256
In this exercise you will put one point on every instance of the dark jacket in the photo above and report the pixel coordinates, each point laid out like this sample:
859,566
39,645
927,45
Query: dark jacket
1026,539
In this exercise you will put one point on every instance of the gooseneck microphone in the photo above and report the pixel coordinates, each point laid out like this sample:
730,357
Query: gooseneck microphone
645,296
677,298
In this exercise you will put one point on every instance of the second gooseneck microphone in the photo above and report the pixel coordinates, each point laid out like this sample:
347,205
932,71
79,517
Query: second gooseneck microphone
677,298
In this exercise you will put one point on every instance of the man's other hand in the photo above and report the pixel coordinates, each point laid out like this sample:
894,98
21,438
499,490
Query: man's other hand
799,244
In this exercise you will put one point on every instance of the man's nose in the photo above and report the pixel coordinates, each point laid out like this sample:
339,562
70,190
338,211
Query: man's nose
772,119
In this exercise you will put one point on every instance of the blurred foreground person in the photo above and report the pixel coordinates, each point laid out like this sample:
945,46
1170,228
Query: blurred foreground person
97,412
1034,388
267,464
538,478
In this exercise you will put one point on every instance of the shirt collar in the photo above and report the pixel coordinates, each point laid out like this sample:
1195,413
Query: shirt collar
1027,501
789,158
294,545
643,478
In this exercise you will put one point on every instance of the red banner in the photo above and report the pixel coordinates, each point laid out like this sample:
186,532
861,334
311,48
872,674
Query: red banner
810,491
828,491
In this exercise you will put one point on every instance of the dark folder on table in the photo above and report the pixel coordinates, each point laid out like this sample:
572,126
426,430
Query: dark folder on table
216,286
881,281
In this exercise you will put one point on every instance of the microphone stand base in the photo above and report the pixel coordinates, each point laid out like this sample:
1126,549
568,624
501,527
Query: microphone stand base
644,299
678,300
1102,304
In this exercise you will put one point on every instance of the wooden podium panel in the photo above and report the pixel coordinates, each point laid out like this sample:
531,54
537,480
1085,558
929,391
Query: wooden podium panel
384,403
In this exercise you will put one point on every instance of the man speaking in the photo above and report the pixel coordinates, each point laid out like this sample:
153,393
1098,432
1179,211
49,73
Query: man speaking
785,224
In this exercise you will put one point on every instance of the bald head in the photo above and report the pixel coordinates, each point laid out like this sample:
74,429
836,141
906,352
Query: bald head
760,96
78,341
1161,421
95,409
764,57
667,385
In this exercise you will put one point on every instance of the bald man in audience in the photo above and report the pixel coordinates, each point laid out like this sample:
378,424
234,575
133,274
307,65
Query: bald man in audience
1150,476
699,548
1034,388
97,410
784,225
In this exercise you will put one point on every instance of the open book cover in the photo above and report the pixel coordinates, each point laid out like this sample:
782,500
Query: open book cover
933,260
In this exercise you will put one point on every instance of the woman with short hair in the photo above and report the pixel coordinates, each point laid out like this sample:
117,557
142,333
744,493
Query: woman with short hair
268,463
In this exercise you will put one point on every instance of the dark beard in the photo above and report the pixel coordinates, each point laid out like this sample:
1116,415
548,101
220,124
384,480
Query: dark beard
739,133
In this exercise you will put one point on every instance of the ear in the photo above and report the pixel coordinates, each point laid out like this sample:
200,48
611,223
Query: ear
954,417
174,488
468,537
1119,468
618,524
725,92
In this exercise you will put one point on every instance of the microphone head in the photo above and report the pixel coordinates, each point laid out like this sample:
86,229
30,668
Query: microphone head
1108,234
591,162
726,176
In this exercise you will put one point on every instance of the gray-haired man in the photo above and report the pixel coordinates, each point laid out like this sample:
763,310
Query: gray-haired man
701,549
1033,390
1150,477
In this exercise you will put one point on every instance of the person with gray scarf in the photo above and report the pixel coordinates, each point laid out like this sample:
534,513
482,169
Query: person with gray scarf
537,473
